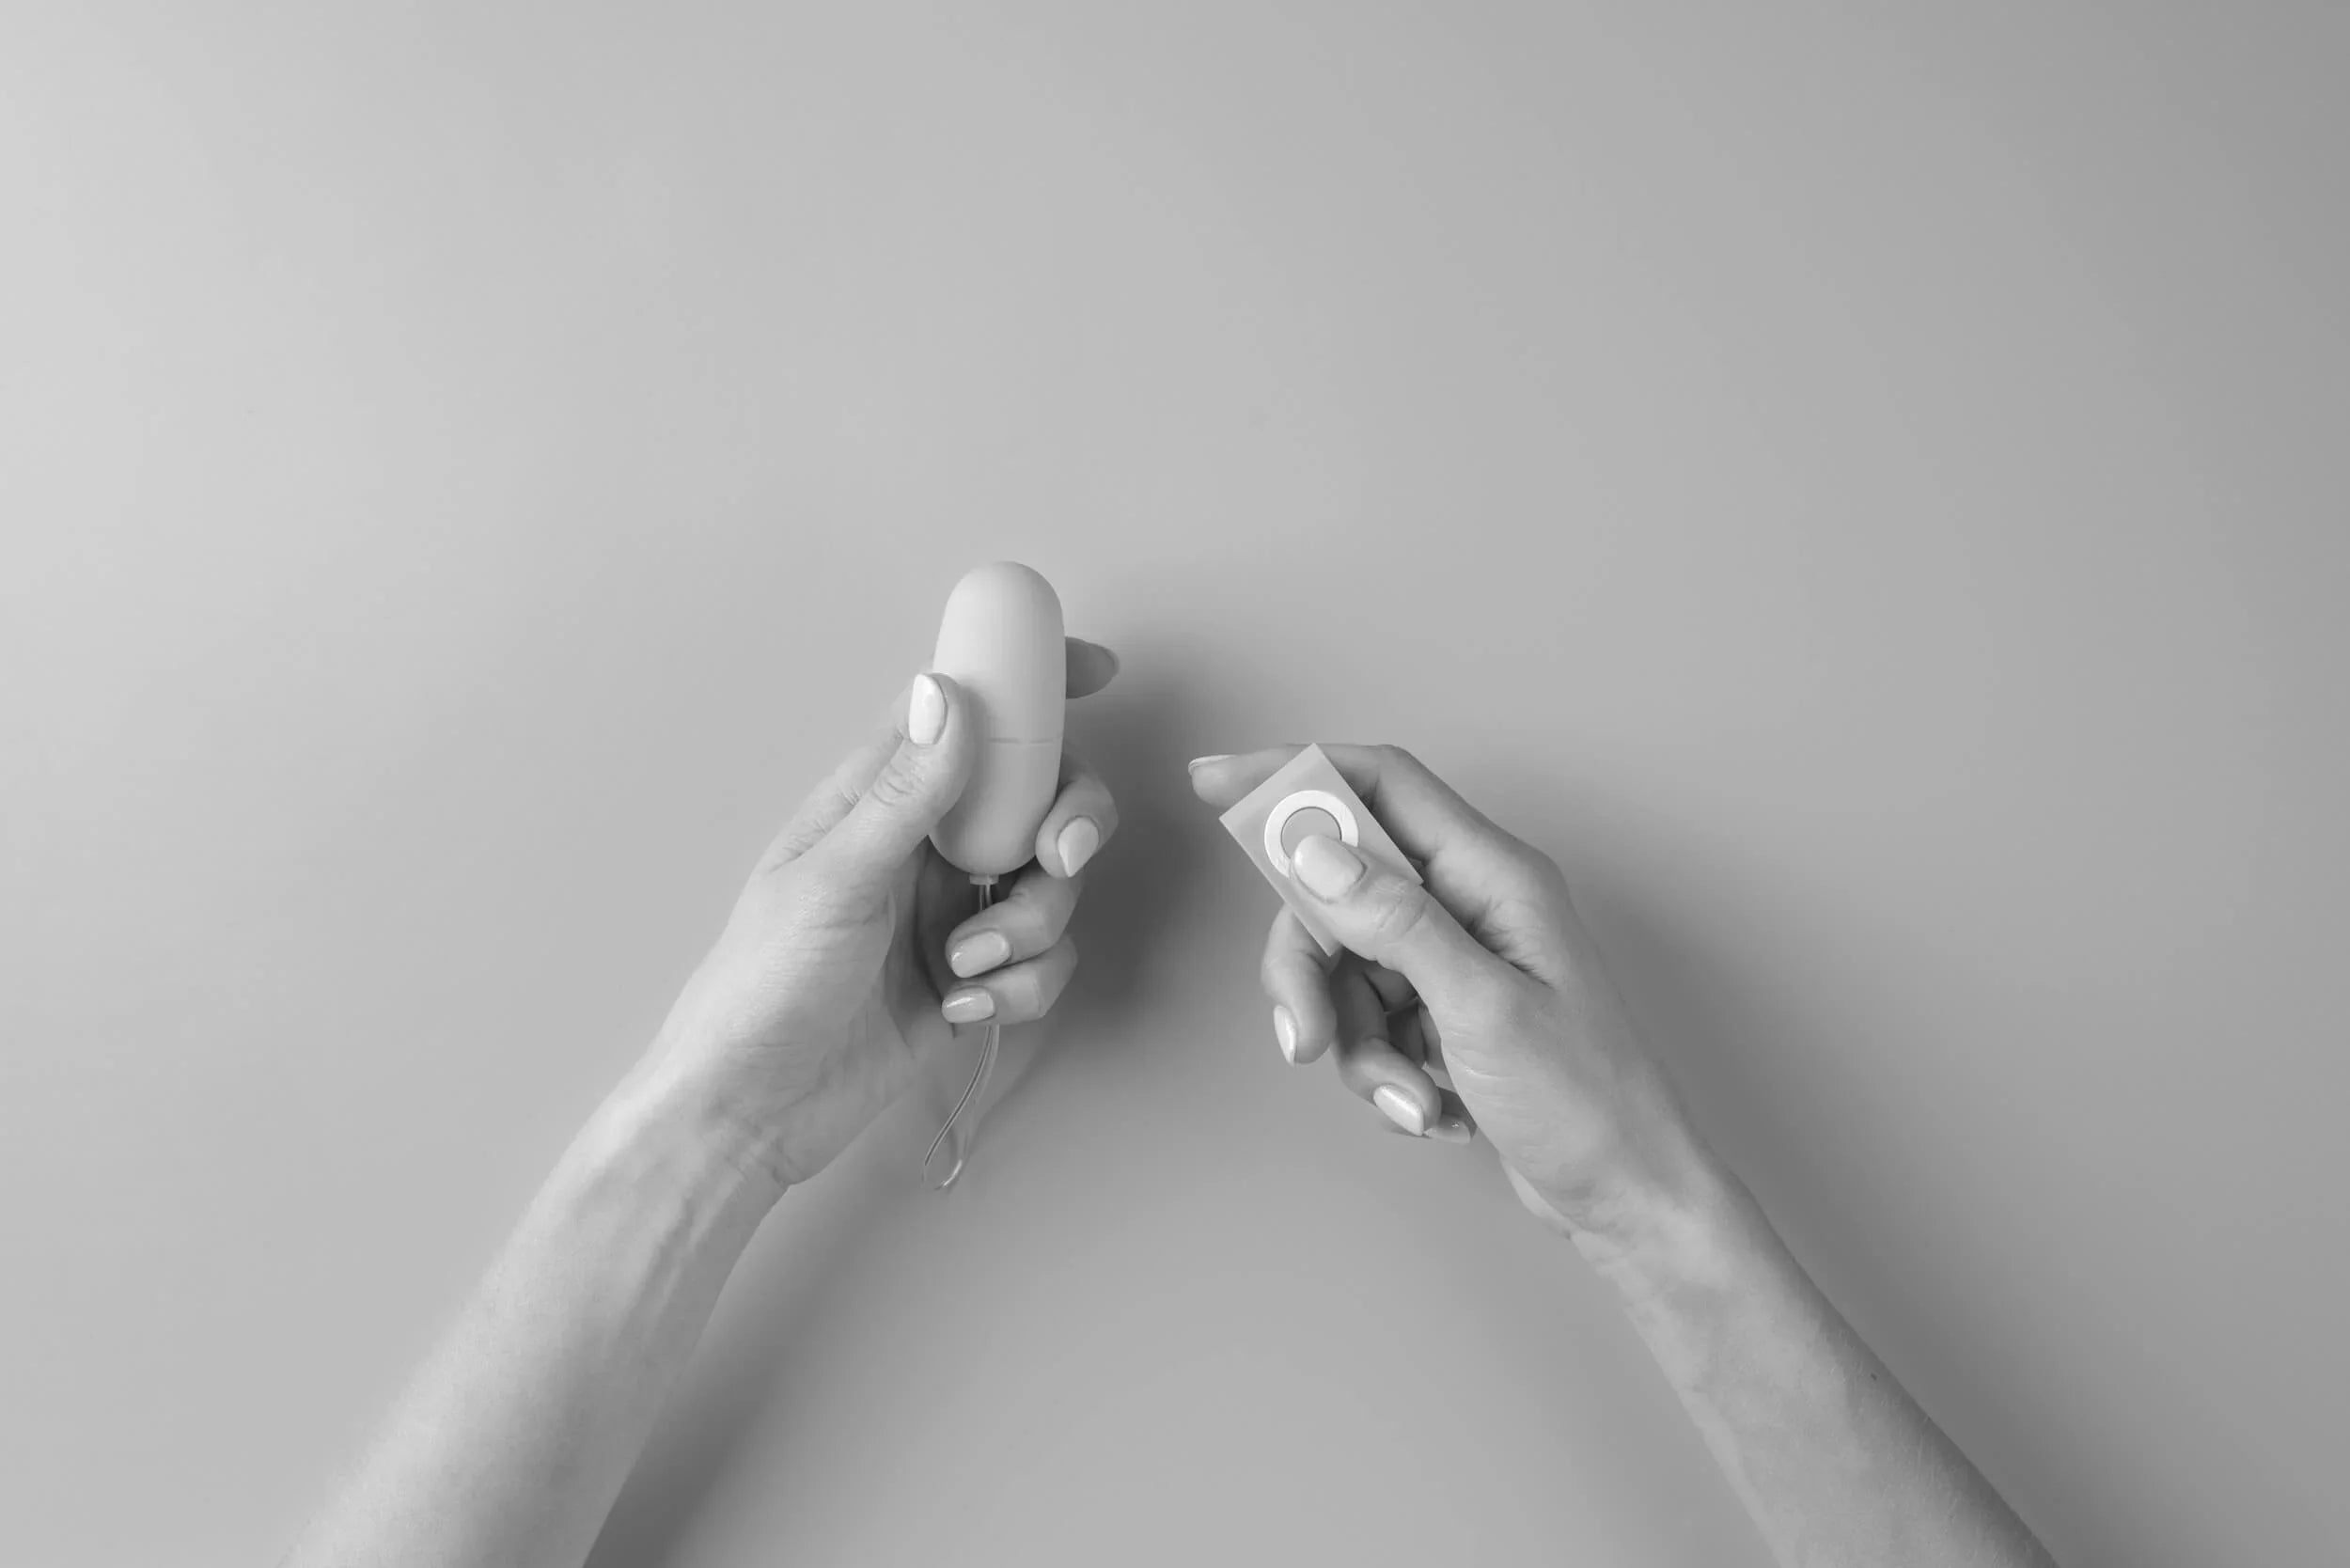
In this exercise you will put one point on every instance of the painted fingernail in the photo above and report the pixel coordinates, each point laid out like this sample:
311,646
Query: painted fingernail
1401,1109
1077,842
975,955
1285,1030
1202,761
926,712
1326,867
1450,1129
968,1005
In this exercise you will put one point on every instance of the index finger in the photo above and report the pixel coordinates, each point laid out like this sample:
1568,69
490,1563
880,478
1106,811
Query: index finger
1090,667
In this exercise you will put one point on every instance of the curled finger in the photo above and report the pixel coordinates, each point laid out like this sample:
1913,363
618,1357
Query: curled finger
1015,994
1369,1063
1296,978
1082,819
1022,924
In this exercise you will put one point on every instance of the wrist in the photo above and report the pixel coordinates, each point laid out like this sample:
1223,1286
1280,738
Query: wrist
668,1120
1662,1181
1678,1230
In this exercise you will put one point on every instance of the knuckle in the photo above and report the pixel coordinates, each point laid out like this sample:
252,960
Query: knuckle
1026,942
1398,913
895,786
1531,881
1017,936
1514,1012
1015,994
1018,924
1028,1000
1045,920
1532,864
1040,982
1357,1077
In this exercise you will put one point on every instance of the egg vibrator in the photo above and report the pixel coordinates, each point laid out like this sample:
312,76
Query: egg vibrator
1001,642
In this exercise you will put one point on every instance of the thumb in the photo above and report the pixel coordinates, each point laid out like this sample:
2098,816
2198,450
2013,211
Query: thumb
898,806
1389,918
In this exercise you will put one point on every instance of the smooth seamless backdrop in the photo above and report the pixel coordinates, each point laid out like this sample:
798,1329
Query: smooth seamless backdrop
1865,490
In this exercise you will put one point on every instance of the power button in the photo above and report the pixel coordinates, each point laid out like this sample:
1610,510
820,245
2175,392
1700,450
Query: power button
1307,814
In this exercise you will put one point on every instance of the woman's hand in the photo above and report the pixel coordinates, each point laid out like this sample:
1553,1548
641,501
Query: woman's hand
854,950
1484,980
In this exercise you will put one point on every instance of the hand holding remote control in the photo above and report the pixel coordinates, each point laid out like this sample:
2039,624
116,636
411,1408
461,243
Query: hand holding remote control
1473,1000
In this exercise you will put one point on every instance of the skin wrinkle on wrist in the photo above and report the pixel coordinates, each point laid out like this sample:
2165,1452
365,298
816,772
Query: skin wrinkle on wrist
1646,1187
1677,1234
660,1114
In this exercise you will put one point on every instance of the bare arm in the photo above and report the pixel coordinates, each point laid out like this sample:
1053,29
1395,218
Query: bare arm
1476,1005
515,1435
828,988
1834,1460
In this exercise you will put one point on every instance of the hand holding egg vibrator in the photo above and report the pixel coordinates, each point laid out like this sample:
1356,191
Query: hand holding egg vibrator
1000,640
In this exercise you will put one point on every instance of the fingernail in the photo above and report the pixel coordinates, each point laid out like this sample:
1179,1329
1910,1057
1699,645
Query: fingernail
1077,842
1450,1129
976,954
926,712
1326,867
1204,762
1401,1109
1285,1030
968,1005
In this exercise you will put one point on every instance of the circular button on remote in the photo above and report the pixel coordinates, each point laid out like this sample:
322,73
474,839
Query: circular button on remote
1307,814
1310,822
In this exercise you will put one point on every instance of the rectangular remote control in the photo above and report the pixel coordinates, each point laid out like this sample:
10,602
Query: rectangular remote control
1307,796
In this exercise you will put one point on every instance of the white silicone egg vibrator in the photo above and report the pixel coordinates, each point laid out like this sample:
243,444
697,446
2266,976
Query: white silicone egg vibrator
1000,641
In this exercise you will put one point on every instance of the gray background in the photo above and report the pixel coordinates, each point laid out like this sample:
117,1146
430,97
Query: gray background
1863,488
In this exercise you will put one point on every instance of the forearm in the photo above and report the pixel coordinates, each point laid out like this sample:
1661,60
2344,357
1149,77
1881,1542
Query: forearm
1834,1460
512,1441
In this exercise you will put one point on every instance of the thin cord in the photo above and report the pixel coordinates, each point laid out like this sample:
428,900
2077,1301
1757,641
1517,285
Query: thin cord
986,885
